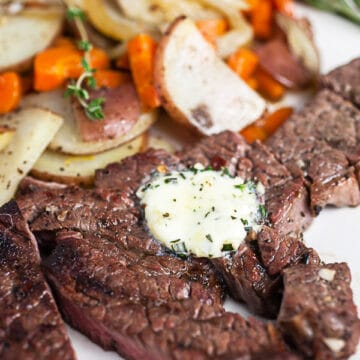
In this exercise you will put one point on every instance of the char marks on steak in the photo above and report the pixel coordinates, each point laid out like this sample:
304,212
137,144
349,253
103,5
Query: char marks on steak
345,81
150,304
30,325
317,313
150,307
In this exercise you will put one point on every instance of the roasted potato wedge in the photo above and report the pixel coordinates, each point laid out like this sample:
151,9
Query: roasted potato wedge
6,134
197,88
301,41
68,139
25,34
80,170
34,130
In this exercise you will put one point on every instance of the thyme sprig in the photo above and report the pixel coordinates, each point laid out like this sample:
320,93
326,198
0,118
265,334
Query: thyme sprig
93,107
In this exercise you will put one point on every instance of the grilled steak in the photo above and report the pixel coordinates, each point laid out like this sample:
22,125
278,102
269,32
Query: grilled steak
30,325
149,307
345,81
111,210
285,196
318,313
120,287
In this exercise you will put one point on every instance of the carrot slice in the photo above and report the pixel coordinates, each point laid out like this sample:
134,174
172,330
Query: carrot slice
212,28
141,50
273,121
261,19
110,78
253,132
10,91
53,66
268,86
243,62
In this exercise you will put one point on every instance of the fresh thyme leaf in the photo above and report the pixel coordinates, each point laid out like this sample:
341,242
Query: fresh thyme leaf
74,12
91,82
86,65
93,108
84,45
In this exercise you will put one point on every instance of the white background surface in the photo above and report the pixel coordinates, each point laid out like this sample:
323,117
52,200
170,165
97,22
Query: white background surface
335,234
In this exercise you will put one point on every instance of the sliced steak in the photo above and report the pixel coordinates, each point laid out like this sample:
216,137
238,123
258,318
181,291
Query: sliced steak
113,213
318,314
286,196
330,178
30,325
345,81
149,307
322,142
133,171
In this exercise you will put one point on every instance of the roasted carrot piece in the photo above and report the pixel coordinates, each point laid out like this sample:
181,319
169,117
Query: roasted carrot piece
212,28
53,66
253,132
268,86
261,19
272,122
252,82
243,62
284,6
110,78
10,91
252,4
141,50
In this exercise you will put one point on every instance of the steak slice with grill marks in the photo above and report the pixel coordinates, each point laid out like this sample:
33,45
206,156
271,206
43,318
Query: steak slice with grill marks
30,325
150,307
111,212
286,200
317,313
345,81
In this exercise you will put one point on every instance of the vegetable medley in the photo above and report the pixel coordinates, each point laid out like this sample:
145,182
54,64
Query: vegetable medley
106,68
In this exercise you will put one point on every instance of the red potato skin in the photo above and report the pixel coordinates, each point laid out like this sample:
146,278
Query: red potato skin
279,62
122,109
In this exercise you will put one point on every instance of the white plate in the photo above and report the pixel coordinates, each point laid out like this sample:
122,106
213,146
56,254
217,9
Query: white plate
335,233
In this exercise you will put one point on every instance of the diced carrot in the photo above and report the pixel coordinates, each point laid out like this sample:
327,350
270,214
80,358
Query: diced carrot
284,6
262,18
272,122
63,41
252,4
268,86
243,62
253,132
252,82
141,50
110,78
73,67
212,28
53,66
10,91
123,62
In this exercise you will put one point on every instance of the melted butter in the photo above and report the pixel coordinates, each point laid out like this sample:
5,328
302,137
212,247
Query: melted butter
201,212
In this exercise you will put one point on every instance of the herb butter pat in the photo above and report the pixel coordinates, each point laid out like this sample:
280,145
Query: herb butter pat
202,212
